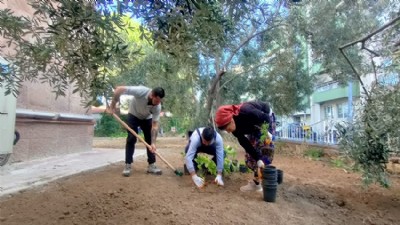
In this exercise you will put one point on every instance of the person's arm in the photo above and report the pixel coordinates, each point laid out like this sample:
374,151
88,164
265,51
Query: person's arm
219,145
245,143
154,133
192,149
154,127
117,94
194,144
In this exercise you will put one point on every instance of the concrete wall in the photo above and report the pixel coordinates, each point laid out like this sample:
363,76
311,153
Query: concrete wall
48,136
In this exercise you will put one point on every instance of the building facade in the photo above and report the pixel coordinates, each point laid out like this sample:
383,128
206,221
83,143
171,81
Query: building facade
47,126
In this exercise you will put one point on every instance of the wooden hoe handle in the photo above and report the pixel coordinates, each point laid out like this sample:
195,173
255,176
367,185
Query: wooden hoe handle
141,139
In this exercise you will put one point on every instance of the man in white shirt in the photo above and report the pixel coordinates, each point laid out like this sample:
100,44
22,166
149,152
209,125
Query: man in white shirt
205,140
144,112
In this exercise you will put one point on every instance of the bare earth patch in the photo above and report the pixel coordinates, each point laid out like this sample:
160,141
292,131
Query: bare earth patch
313,192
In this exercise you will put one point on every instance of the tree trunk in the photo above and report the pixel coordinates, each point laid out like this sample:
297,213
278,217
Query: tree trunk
212,92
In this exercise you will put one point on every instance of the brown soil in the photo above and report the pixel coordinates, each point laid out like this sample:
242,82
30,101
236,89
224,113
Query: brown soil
313,192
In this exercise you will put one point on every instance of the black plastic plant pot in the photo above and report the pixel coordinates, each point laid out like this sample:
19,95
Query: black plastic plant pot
243,168
270,185
270,181
269,174
270,178
270,193
269,167
269,171
280,176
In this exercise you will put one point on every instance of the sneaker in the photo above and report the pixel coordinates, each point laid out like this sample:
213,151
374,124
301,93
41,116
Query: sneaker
251,186
127,170
153,169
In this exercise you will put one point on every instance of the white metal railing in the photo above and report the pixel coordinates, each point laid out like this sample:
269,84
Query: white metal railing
323,132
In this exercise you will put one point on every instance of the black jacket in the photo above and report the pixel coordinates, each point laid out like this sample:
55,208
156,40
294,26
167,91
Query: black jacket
251,116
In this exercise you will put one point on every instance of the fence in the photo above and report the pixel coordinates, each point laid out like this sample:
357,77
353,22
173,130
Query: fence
306,134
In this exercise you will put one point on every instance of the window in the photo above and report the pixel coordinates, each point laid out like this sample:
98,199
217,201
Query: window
342,110
328,112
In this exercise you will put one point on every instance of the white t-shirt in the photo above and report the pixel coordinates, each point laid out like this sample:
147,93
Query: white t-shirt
195,142
139,106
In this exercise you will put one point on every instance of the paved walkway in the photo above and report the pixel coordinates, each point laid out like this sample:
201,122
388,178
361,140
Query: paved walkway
20,176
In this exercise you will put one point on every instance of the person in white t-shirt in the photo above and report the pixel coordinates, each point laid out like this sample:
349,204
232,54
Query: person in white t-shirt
144,112
205,140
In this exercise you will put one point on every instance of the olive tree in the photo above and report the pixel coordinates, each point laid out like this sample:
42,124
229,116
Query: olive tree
374,136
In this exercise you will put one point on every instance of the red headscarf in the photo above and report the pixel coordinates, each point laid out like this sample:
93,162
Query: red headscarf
225,113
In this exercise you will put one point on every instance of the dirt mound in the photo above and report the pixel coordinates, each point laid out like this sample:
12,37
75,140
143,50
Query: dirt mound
313,192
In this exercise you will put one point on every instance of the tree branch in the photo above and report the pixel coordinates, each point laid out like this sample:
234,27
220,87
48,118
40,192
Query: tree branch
237,75
227,62
368,36
362,40
374,67
251,69
369,50
355,71
248,38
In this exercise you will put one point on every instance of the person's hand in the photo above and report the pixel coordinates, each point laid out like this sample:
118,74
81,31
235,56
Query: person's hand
198,181
153,148
269,139
109,110
218,180
260,164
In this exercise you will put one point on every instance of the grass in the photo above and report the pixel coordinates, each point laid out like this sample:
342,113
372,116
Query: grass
314,153
338,163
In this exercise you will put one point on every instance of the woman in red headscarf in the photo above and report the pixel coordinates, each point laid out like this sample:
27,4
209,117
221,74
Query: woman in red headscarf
244,121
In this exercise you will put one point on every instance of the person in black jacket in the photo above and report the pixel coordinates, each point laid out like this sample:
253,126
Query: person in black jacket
245,121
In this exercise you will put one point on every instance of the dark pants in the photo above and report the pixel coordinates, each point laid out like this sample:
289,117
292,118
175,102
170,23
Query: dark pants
211,150
133,122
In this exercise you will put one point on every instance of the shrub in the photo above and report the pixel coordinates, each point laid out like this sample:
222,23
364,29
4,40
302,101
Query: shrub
109,127
374,134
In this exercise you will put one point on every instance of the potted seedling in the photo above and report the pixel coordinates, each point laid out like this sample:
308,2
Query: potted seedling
235,165
231,163
205,165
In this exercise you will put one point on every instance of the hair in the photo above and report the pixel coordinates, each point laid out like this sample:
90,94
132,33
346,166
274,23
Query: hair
208,133
158,92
